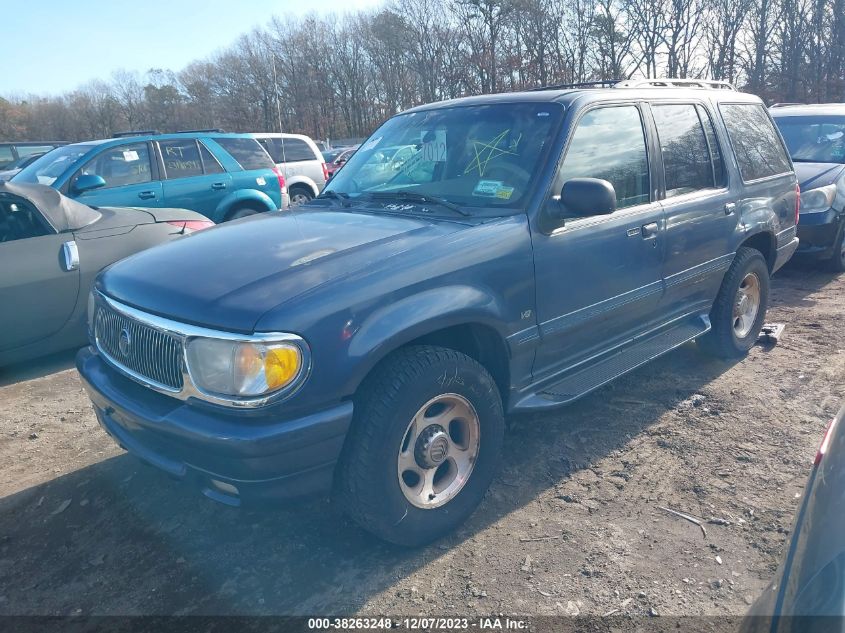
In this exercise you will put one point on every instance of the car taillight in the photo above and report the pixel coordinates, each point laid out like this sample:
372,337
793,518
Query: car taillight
797,202
281,177
825,441
325,172
192,225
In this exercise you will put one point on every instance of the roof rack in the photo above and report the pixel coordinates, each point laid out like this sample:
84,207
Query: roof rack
676,83
786,103
604,83
135,133
212,130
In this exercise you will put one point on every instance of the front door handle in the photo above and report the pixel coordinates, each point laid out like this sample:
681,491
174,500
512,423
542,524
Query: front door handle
70,256
649,231
217,186
146,195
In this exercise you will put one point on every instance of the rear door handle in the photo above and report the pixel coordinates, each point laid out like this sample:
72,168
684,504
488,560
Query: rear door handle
650,231
146,195
217,186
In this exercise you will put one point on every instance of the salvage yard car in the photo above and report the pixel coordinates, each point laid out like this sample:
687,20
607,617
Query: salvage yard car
815,137
52,247
534,247
299,160
222,176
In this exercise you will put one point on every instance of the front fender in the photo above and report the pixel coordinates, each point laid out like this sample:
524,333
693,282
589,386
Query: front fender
260,200
388,328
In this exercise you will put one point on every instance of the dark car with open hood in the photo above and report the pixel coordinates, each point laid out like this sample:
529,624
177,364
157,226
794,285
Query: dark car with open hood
51,248
815,137
526,249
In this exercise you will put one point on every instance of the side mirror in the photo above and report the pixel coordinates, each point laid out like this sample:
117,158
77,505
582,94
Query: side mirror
587,196
87,182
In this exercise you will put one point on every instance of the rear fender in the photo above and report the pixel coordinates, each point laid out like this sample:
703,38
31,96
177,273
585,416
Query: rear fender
258,200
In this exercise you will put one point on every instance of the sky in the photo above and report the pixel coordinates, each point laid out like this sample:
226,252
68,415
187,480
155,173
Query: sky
51,46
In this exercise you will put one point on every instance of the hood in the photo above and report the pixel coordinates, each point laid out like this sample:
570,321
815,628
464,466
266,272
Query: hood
228,276
814,175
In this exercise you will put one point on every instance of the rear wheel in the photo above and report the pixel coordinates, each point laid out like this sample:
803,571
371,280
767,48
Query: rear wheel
300,195
423,447
242,212
739,311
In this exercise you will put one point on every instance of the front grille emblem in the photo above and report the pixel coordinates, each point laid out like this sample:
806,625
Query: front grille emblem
124,343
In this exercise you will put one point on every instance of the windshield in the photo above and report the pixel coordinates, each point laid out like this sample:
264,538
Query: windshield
49,167
814,139
473,156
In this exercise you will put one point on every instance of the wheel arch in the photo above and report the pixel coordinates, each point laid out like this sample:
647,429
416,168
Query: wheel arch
251,198
766,243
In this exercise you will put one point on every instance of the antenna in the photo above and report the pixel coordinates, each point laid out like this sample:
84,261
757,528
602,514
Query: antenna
279,113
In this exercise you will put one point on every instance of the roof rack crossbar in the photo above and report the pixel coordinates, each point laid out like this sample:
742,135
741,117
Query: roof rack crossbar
712,84
602,83
135,133
211,130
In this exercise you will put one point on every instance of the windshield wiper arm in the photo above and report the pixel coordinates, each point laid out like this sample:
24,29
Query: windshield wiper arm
334,195
413,196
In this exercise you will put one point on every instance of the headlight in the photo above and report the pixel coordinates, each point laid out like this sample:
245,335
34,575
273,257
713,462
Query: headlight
818,200
243,369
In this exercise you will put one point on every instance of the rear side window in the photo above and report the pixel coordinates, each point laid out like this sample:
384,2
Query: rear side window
609,143
181,158
297,150
713,144
686,156
210,164
758,148
247,152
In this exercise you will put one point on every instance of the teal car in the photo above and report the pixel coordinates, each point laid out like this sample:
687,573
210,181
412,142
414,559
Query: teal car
222,176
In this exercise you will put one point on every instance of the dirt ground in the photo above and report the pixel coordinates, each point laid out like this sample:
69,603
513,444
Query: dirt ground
571,524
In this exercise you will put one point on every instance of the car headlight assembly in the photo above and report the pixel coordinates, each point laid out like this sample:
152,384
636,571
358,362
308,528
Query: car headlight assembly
818,200
243,370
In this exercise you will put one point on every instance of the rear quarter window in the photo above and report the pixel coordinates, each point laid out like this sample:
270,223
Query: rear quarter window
247,152
756,144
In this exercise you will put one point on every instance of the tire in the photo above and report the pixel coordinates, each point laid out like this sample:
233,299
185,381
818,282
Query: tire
300,195
242,212
837,262
404,398
735,326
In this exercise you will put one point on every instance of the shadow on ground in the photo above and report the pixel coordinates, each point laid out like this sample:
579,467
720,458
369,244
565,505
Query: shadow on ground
132,541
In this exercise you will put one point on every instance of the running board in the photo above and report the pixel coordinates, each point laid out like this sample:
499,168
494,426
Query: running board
580,382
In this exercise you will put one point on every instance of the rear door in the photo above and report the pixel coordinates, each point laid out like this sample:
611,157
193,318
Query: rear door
701,217
131,176
39,290
599,278
250,166
192,178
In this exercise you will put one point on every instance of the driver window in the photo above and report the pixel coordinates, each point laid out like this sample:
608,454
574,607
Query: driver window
123,165
609,143
19,220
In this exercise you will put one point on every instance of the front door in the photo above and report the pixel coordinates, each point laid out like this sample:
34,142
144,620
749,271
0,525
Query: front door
599,278
130,174
38,292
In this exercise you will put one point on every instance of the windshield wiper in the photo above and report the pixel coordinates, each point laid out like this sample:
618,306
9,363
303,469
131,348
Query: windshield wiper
413,196
334,195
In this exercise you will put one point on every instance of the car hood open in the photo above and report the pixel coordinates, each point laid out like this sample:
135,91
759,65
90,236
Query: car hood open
227,277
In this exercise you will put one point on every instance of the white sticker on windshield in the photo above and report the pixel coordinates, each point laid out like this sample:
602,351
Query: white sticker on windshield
433,146
371,144
130,155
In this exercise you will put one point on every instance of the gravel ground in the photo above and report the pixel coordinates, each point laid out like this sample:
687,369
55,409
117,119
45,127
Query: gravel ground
571,525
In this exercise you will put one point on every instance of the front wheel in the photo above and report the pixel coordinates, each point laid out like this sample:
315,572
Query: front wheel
837,261
423,447
739,311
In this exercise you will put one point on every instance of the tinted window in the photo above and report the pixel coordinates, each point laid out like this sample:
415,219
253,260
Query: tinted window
815,139
6,155
19,220
209,163
181,158
686,157
247,152
609,143
297,150
122,165
756,143
713,144
273,147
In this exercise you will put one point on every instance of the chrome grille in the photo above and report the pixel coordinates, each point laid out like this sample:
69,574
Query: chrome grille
150,354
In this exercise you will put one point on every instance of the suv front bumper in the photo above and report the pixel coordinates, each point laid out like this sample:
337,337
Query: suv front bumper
233,456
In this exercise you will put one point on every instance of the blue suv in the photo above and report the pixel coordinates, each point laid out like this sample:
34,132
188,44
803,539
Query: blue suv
526,249
222,176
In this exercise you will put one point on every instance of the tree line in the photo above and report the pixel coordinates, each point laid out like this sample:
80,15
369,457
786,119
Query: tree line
340,76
